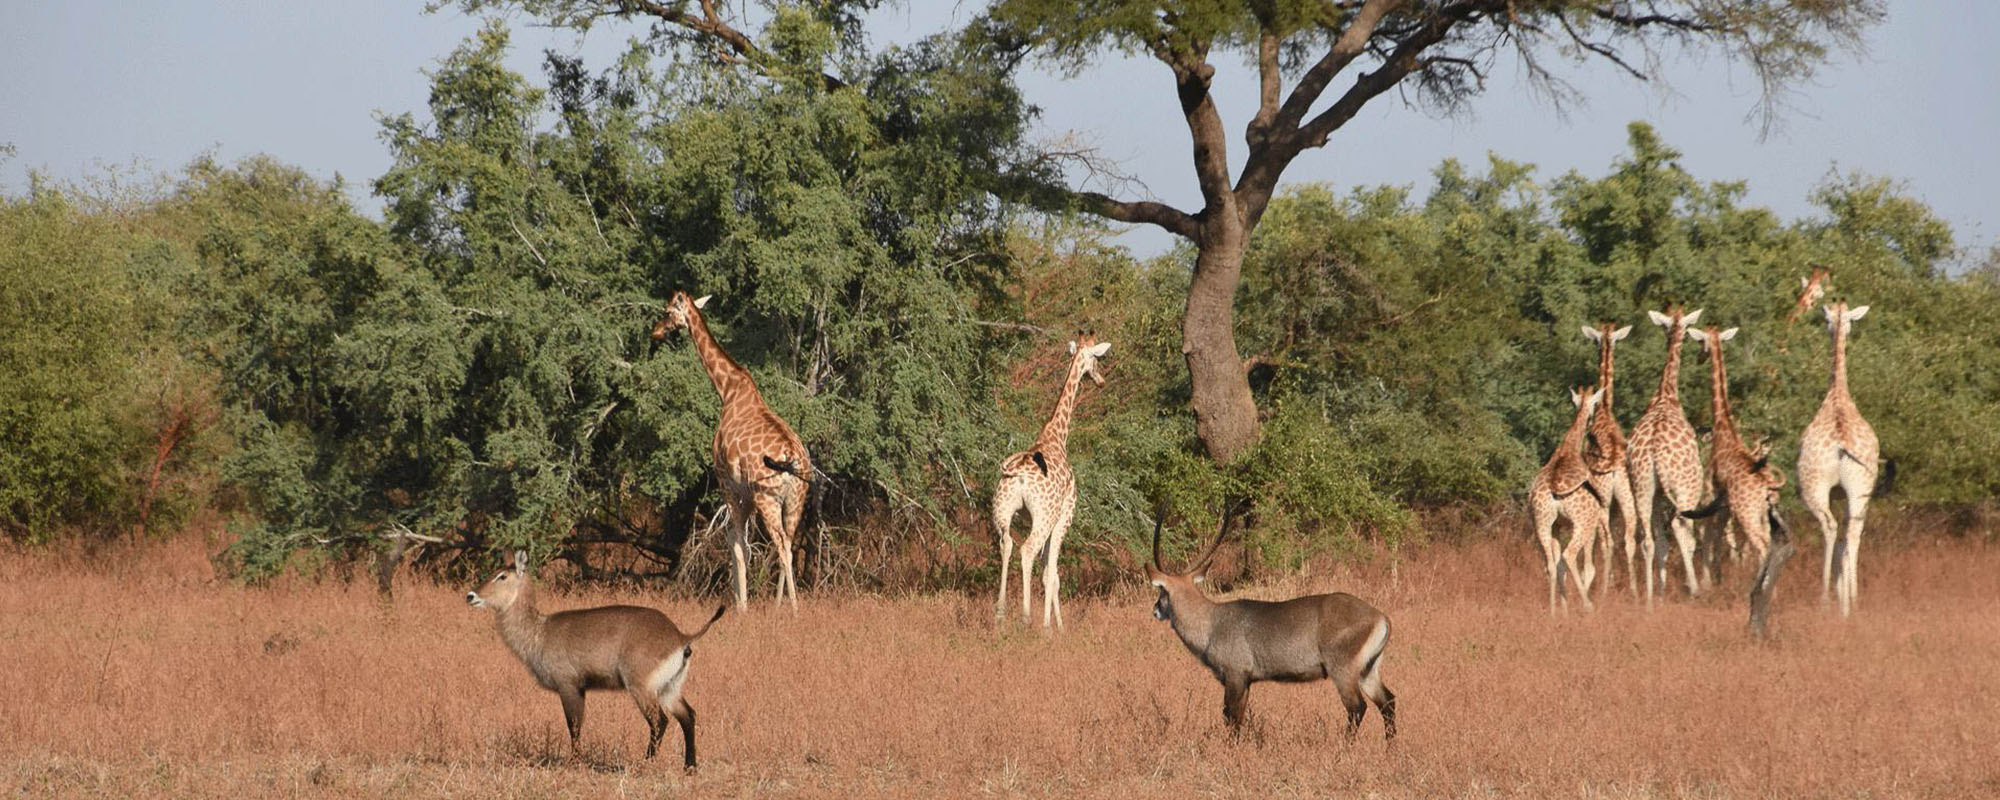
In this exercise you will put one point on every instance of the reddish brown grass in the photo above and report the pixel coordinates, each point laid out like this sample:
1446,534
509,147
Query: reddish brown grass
140,675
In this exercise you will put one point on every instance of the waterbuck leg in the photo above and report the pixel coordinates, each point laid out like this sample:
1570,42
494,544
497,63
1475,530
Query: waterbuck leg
1235,694
572,702
684,714
656,719
1349,686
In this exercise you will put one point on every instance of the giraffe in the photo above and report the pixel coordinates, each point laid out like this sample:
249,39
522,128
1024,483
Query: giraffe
1839,449
1039,480
1811,290
1663,453
760,463
1607,458
1563,489
1745,483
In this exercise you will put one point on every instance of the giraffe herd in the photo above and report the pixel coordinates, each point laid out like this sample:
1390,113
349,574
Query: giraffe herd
1595,470
1596,473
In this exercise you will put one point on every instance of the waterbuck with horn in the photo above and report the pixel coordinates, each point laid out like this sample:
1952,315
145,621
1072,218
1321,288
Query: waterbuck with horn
1336,636
609,647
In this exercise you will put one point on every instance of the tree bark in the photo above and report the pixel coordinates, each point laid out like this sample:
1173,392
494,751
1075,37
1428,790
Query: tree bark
1225,414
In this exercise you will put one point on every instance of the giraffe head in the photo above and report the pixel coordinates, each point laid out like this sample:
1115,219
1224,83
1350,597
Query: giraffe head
1087,350
1711,338
680,310
1811,289
1675,315
1598,332
1839,318
1585,399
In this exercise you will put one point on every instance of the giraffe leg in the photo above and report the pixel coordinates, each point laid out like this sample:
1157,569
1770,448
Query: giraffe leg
1850,563
739,547
1051,578
1038,535
1683,530
1621,489
1005,503
1817,497
1641,510
772,514
1542,508
795,512
1580,530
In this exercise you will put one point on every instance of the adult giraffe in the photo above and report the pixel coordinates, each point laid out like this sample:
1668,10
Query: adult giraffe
1839,449
1606,454
760,463
1039,479
1662,453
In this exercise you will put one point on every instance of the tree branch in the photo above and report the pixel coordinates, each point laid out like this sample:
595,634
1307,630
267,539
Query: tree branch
711,24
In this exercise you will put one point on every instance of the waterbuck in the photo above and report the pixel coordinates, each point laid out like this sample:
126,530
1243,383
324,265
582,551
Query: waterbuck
609,647
1335,636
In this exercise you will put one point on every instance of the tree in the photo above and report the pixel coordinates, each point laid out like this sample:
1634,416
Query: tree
1440,51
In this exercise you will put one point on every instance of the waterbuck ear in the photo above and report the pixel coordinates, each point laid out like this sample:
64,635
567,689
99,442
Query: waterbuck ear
1620,334
1100,350
1592,334
521,561
702,301
1690,317
1728,335
1659,319
1856,312
1072,347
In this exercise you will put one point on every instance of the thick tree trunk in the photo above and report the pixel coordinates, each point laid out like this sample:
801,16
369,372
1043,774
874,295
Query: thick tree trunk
1225,415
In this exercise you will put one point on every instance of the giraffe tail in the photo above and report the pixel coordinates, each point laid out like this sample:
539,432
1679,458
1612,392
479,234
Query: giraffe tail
786,467
1884,480
1721,498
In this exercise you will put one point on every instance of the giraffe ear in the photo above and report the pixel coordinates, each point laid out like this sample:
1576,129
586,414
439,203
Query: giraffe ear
1805,282
1727,335
1690,317
1592,334
1698,334
1105,347
1620,334
1072,347
1831,315
1659,319
1856,312
702,301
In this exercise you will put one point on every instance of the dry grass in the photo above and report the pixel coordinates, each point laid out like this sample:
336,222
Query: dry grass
139,675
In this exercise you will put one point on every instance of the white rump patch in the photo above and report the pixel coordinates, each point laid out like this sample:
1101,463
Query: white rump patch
667,678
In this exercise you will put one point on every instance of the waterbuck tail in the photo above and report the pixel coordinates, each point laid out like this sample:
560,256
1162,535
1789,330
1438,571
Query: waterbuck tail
709,624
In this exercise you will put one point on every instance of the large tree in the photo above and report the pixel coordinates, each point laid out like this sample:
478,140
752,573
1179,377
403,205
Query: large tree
1317,63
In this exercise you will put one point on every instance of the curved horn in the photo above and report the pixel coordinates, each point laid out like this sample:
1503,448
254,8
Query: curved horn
1201,564
1156,542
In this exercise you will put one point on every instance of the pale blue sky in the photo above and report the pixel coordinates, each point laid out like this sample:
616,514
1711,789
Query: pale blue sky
90,83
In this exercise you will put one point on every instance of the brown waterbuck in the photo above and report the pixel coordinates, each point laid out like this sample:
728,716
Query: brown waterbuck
1309,638
609,647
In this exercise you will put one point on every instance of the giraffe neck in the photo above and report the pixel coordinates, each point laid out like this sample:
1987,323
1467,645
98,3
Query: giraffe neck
1670,377
1604,348
732,382
1055,433
1718,393
1839,386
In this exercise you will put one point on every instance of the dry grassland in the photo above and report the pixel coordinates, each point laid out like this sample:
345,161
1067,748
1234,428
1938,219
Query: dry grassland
139,675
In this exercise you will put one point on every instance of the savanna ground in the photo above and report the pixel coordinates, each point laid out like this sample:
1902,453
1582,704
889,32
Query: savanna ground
136,673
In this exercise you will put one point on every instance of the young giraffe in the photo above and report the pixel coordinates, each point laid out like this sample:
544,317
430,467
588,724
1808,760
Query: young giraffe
1748,485
1039,480
760,463
1563,489
1664,454
1839,449
1607,456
